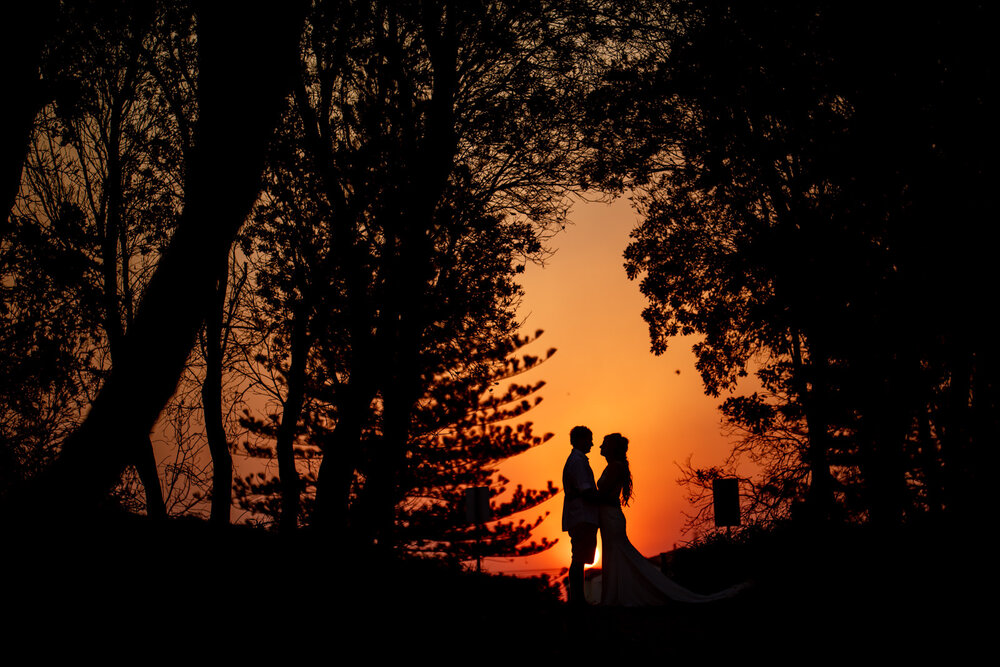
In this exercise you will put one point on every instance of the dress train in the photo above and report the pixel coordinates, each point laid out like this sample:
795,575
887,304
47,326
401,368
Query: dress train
627,578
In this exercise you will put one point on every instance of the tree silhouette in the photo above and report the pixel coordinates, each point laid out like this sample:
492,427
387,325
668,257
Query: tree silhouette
792,169
459,437
427,157
26,28
244,68
100,196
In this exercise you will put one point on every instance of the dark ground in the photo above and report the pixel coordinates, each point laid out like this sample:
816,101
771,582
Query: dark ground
137,593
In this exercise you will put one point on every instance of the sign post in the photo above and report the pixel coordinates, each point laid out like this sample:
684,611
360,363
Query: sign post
726,501
477,511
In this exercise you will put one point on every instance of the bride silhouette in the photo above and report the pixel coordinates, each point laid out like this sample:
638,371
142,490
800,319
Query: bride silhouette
627,578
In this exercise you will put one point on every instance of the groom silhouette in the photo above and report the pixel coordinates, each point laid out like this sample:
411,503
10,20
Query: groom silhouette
580,510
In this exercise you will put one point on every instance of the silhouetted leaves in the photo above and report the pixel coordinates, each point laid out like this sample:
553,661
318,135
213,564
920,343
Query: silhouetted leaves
789,174
100,194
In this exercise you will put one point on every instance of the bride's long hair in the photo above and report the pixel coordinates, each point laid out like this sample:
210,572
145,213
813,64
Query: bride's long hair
619,452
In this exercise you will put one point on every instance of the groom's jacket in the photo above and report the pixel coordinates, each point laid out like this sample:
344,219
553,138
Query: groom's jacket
577,478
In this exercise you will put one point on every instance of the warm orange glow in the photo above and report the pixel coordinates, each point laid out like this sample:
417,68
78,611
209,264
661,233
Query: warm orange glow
604,377
597,560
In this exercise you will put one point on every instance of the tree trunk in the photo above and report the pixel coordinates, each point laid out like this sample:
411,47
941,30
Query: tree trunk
985,431
382,487
930,460
211,402
292,409
115,257
341,456
149,475
956,437
810,387
25,26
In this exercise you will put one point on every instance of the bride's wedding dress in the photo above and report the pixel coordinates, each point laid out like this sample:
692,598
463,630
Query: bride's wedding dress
627,578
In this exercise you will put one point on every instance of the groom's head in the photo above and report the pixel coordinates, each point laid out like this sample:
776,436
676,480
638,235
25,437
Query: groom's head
581,438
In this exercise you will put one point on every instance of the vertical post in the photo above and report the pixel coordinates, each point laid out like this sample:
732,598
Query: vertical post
477,511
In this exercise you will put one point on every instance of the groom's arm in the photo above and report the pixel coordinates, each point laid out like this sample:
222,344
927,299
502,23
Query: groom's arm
589,491
580,484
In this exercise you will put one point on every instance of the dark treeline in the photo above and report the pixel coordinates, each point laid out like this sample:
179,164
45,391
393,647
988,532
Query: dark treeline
288,231
815,205
293,231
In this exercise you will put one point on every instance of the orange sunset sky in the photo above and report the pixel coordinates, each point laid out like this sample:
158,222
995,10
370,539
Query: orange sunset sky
604,376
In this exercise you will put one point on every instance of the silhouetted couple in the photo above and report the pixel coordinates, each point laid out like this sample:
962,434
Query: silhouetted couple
627,578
